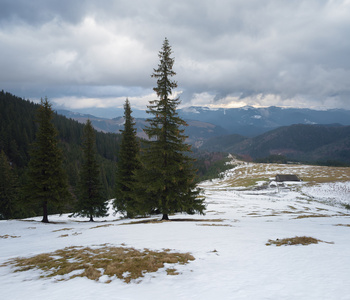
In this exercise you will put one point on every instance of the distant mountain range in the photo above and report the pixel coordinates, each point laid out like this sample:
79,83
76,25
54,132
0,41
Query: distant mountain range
296,142
197,131
300,134
251,121
247,121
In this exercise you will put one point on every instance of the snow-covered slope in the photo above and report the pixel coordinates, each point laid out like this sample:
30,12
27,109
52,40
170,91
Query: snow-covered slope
231,258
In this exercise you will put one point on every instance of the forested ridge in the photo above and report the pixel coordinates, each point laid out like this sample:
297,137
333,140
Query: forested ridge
17,133
18,128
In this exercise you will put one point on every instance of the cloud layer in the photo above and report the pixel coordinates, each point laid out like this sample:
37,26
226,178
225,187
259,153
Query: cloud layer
227,53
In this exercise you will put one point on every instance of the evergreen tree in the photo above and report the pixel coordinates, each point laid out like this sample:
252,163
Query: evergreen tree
128,163
47,182
91,200
166,180
8,188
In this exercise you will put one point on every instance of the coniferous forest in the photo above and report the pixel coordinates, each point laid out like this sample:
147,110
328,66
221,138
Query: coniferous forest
91,167
18,128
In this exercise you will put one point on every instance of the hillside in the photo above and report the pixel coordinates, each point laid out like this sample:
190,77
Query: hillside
234,246
18,129
297,142
197,131
17,132
251,121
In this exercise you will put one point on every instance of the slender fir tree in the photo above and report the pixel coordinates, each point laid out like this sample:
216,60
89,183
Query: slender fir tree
47,181
128,163
166,181
8,188
91,200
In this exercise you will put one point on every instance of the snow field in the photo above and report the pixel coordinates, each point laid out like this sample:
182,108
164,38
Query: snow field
231,258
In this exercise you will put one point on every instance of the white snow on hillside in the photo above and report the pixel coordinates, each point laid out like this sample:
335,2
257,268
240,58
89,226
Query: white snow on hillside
231,258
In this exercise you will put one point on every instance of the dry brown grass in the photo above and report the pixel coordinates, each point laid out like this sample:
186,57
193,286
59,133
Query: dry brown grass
101,226
345,225
157,221
63,235
6,236
312,216
125,263
224,225
298,240
322,216
172,271
247,175
62,229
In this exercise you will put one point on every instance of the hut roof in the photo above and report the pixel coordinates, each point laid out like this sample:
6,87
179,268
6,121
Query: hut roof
287,177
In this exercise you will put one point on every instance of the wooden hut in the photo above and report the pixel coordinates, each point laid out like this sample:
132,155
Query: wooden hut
287,177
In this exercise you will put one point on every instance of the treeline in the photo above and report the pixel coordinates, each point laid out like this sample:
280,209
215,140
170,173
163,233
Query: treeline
18,128
210,164
41,148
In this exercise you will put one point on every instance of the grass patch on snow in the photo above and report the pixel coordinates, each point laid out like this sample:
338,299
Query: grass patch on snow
298,240
101,226
6,236
157,221
124,263
247,175
62,229
223,225
312,216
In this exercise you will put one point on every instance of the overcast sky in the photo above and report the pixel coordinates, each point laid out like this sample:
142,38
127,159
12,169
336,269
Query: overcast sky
227,52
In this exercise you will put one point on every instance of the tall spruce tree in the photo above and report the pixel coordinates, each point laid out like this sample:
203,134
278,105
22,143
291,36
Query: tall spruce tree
91,200
47,181
128,164
8,188
166,181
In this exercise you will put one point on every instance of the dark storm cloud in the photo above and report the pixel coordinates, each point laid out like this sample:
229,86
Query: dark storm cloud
38,12
252,52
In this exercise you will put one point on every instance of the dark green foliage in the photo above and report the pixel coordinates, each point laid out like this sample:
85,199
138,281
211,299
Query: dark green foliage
8,188
274,158
91,200
223,143
128,163
210,164
17,133
312,143
17,128
167,179
47,183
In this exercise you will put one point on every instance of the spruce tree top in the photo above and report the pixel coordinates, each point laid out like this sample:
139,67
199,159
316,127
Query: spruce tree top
164,72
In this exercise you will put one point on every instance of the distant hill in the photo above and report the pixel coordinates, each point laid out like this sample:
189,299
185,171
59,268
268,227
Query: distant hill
251,121
196,130
311,140
223,143
17,133
298,142
205,123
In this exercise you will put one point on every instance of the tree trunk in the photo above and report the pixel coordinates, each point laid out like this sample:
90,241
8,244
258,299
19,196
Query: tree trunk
45,218
91,219
165,217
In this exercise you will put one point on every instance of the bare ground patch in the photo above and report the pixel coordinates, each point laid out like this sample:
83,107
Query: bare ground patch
298,240
101,226
223,225
248,175
124,263
62,229
7,236
156,221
